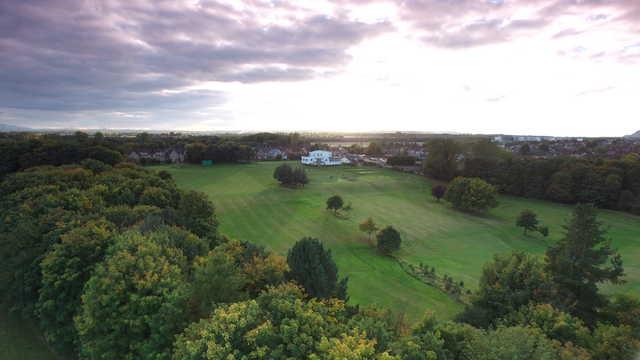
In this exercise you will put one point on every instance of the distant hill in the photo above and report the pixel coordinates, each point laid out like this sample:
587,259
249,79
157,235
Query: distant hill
13,128
634,135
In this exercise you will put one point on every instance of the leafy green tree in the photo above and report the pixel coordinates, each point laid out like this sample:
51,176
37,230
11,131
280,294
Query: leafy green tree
335,203
516,342
288,176
155,196
528,220
368,226
471,194
135,302
197,214
508,283
311,266
300,177
623,309
388,240
284,174
279,324
217,279
555,324
65,269
614,342
441,161
424,342
580,262
561,187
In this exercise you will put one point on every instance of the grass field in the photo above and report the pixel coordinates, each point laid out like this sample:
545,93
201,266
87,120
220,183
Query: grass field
20,340
251,206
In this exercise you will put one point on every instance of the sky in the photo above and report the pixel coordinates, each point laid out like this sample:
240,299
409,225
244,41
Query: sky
544,67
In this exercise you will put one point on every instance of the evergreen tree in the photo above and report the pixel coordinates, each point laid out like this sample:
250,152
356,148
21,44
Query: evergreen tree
311,266
581,261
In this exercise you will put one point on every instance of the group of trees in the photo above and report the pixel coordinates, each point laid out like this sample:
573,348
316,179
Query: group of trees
388,238
222,151
611,184
288,176
401,160
18,152
559,296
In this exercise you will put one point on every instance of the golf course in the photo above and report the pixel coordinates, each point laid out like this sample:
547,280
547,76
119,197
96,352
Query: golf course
252,206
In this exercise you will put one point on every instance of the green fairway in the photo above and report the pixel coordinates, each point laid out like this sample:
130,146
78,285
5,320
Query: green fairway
252,206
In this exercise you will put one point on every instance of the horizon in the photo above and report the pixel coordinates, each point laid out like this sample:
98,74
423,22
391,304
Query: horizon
563,68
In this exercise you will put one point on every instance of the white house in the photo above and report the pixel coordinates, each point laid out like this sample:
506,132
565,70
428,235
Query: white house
321,158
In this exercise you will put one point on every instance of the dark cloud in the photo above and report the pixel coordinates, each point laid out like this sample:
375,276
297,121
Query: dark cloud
80,55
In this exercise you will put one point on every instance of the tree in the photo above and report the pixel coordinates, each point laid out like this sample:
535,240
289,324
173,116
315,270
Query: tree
560,188
368,226
580,262
279,324
506,284
216,279
528,220
311,266
438,192
65,270
614,342
197,214
335,203
284,174
374,149
288,176
388,240
441,158
300,176
134,303
471,194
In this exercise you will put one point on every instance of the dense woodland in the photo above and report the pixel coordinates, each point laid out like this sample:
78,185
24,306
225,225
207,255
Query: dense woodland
114,262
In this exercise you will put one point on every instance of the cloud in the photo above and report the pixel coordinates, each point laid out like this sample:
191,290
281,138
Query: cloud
128,55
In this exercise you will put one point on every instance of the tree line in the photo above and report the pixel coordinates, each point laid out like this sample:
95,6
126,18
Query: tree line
611,184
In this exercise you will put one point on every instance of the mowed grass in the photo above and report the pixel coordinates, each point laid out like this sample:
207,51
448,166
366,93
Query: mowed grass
252,206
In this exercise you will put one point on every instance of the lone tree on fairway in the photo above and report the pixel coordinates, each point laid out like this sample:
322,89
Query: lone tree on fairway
438,191
388,240
334,203
368,226
528,220
580,262
311,266
471,194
